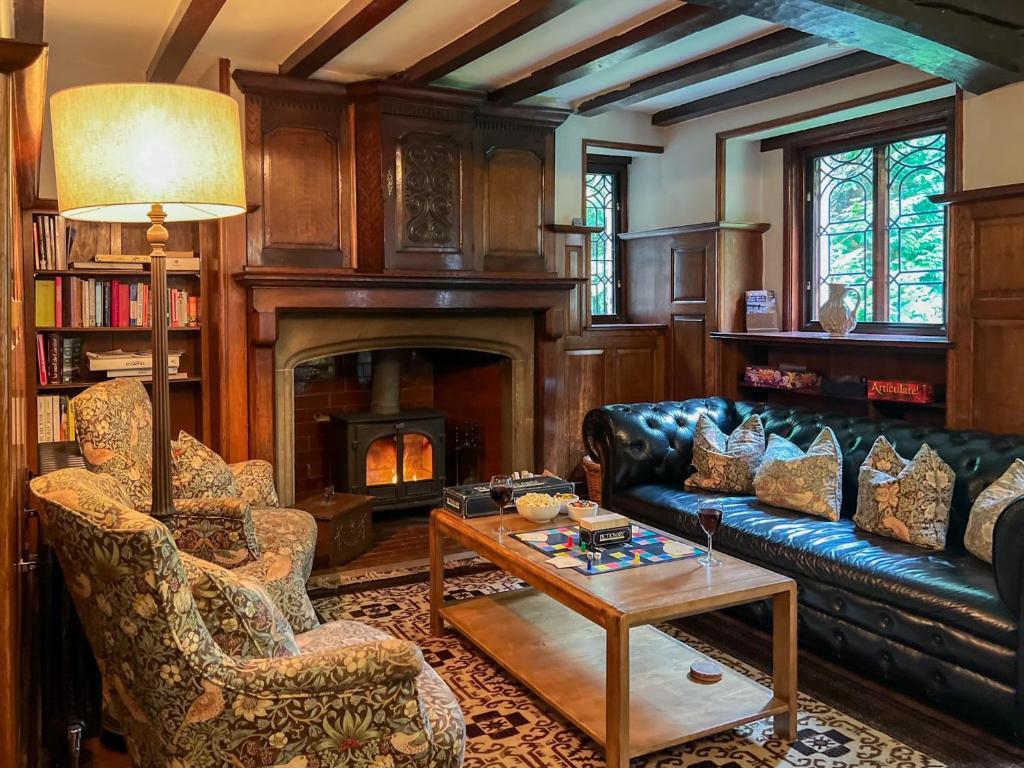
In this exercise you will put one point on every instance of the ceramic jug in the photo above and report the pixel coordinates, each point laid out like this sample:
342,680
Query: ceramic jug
836,316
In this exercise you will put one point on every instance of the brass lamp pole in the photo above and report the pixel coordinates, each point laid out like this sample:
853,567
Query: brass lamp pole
149,152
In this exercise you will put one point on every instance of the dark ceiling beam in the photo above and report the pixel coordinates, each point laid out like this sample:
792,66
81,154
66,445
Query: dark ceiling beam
349,24
190,22
791,82
648,36
758,51
28,20
974,43
505,26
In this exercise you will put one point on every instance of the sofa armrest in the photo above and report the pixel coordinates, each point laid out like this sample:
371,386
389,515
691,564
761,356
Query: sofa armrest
216,529
1008,557
648,442
254,481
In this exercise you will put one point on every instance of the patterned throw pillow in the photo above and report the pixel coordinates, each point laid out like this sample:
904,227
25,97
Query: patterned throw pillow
905,500
989,506
726,464
199,472
239,614
810,482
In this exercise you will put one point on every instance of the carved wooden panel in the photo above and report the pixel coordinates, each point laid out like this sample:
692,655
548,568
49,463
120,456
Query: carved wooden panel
688,369
428,179
688,273
514,206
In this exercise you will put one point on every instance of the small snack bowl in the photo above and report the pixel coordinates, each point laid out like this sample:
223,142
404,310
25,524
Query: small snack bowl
563,500
538,507
581,508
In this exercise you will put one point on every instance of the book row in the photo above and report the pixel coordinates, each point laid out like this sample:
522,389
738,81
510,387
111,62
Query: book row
55,418
52,241
58,358
76,302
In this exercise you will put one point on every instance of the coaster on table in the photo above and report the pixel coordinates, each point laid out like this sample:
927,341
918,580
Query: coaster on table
706,671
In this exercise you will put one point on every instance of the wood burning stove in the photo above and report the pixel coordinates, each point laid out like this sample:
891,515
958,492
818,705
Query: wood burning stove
397,458
393,455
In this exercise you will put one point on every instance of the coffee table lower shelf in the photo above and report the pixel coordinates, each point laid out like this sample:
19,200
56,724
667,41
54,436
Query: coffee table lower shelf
561,657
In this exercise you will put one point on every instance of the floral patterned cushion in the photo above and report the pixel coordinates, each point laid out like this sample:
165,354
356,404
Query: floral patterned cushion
240,615
726,464
810,482
114,428
905,500
989,506
199,472
254,480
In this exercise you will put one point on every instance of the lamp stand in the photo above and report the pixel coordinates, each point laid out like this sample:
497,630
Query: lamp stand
156,236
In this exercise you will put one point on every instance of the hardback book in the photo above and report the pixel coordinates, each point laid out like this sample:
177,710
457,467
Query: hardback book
71,352
173,374
41,358
119,360
762,311
46,307
113,266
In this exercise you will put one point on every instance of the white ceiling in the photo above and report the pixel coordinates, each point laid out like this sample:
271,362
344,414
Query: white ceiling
113,39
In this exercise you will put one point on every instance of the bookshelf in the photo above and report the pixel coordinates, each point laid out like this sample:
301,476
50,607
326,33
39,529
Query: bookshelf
189,410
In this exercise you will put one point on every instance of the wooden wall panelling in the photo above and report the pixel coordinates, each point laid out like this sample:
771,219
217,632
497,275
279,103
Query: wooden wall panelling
515,179
610,364
572,259
298,173
986,312
693,278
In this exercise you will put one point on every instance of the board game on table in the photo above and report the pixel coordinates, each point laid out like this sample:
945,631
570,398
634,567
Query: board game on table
646,548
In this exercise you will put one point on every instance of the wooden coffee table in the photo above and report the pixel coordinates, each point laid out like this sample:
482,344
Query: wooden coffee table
585,644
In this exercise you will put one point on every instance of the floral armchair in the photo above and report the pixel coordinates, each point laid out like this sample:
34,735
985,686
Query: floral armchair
227,514
341,695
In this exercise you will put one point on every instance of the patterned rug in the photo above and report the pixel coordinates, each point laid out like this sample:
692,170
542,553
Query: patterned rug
507,727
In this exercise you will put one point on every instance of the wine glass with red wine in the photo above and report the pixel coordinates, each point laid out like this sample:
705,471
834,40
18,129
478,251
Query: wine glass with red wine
709,513
501,494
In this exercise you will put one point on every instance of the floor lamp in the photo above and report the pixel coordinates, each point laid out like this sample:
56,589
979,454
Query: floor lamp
149,152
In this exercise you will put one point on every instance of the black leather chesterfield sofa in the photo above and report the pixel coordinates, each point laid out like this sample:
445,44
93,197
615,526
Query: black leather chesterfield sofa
944,626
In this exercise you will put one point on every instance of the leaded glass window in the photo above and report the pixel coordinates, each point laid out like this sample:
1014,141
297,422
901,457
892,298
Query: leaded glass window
873,227
603,211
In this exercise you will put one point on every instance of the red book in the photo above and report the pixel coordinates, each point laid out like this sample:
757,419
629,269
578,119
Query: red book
124,301
41,358
115,305
145,305
58,292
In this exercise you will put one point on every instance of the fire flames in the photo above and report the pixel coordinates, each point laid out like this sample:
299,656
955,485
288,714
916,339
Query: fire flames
382,460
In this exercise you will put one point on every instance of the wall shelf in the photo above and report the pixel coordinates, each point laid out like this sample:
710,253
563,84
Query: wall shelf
889,341
814,392
112,329
112,274
66,386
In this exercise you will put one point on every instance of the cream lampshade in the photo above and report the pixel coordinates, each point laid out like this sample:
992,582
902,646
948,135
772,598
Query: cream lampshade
121,147
137,152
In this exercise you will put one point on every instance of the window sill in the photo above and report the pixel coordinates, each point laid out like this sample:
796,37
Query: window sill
888,340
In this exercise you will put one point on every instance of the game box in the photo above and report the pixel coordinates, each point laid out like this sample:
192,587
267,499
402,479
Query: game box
474,500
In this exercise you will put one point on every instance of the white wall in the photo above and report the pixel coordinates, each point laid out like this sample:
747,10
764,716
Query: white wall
994,138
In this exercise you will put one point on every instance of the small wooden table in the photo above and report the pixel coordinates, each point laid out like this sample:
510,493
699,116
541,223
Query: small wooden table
344,527
585,644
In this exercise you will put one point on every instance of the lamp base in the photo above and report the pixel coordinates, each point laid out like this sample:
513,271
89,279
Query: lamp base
156,236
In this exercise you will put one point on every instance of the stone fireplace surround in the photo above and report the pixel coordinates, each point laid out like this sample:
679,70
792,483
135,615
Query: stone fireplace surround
302,336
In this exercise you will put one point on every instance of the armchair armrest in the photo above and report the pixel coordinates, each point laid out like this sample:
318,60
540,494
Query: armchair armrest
216,529
648,442
1008,557
254,481
365,665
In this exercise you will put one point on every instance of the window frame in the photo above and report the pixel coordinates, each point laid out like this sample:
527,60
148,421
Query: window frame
617,167
875,131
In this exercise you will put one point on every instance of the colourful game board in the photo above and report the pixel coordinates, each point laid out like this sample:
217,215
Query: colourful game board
650,545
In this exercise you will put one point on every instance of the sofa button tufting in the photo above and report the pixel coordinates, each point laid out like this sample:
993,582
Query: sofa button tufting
838,605
885,621
937,638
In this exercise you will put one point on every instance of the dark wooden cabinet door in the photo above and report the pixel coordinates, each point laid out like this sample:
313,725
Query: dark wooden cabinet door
428,189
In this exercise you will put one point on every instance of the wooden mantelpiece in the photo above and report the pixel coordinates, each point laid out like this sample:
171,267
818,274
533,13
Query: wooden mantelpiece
272,293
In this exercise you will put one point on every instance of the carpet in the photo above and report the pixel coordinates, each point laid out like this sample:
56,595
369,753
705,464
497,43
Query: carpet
508,727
